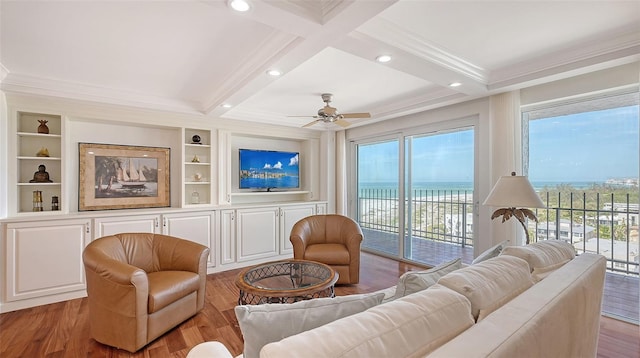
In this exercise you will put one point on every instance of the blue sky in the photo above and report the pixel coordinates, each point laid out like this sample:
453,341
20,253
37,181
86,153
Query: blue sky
588,147
593,146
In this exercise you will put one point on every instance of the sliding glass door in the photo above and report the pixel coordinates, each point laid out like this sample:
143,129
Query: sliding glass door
415,195
439,195
378,195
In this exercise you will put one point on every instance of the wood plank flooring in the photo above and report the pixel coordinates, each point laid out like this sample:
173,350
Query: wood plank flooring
62,329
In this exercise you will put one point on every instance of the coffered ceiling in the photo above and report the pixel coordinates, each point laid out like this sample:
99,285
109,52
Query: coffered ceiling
196,56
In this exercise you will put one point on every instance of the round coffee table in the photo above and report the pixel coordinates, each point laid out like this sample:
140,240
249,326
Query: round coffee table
285,281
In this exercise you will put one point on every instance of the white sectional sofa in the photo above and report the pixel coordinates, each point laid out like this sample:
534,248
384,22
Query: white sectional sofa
533,301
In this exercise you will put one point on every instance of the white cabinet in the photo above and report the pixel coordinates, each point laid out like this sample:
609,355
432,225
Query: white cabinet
38,142
257,233
290,215
254,235
227,237
197,169
45,258
118,224
195,226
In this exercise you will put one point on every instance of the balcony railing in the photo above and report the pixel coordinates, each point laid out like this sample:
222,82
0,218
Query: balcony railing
439,215
591,221
603,223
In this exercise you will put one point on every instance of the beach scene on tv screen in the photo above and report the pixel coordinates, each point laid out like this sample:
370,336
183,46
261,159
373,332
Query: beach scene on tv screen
260,169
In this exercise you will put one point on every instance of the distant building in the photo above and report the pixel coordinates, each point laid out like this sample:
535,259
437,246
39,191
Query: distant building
568,231
623,214
615,252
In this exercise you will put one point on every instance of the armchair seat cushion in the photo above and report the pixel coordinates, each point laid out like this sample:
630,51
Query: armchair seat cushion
166,287
330,254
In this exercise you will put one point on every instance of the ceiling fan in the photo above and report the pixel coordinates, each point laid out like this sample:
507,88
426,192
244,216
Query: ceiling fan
328,114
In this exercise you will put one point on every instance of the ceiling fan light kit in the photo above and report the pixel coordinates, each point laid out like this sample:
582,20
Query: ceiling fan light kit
328,114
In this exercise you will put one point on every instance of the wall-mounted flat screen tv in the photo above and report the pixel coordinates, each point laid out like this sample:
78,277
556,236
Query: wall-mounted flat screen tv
269,170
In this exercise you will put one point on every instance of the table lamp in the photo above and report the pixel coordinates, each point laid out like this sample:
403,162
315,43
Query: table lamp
513,192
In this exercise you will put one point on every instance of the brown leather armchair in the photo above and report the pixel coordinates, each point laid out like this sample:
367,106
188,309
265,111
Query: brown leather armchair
141,285
331,239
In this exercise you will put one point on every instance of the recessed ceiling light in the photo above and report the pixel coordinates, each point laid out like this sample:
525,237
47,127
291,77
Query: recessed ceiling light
274,73
383,58
239,5
226,105
455,84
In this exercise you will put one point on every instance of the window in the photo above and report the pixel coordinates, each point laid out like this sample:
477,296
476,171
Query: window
582,156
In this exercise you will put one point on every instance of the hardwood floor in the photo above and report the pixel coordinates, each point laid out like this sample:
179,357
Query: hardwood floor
62,329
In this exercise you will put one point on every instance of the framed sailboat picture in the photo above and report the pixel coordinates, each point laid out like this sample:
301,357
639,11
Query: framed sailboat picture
123,177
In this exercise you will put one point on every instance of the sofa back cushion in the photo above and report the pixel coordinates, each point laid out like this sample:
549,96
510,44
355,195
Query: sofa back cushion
542,253
490,284
411,326
261,324
414,281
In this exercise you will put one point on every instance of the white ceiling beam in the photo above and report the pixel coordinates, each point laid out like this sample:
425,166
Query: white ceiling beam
339,23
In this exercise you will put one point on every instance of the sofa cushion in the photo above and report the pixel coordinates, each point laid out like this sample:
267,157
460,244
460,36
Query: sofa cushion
166,287
540,273
542,253
414,281
411,326
261,324
330,254
491,283
493,251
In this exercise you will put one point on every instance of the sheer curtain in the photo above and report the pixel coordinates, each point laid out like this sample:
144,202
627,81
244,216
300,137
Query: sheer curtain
341,173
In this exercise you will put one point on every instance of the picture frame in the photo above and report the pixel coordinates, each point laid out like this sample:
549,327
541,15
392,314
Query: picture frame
115,176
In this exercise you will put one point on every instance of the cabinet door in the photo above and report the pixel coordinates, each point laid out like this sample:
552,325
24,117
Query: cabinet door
227,237
196,227
321,208
288,217
117,225
257,233
45,258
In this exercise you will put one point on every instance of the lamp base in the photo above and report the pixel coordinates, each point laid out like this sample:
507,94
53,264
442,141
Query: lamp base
520,214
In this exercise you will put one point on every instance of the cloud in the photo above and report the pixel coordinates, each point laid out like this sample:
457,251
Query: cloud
293,161
266,166
278,165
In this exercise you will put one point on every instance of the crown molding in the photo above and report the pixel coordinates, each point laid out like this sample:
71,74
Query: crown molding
607,52
4,72
23,84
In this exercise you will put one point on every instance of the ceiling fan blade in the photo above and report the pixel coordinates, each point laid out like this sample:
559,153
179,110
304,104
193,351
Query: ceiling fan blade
356,115
342,123
311,123
302,116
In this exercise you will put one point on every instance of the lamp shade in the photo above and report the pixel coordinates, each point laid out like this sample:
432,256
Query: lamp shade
514,191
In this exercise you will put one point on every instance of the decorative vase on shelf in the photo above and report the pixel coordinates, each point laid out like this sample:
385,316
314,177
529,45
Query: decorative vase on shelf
42,128
43,152
195,139
195,197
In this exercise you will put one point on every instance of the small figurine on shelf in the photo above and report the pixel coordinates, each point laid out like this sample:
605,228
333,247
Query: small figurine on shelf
195,159
195,139
37,200
55,204
197,177
43,152
41,176
42,128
